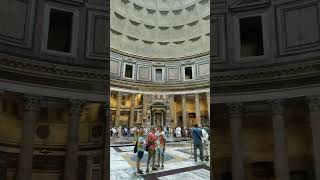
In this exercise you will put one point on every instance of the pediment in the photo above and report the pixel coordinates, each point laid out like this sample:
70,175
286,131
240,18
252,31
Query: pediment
242,5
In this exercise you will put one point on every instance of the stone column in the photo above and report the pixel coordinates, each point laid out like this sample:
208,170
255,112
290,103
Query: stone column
72,154
132,107
1,101
279,138
314,110
197,104
144,109
172,114
31,115
184,110
236,141
118,110
208,106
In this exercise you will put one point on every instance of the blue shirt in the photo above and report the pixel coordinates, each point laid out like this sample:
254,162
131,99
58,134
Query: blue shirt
197,134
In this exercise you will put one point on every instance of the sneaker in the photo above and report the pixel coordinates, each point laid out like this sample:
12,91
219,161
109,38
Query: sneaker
147,171
140,172
154,168
162,166
207,159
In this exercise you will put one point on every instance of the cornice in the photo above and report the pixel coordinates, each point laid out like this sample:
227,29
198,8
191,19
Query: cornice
128,55
224,78
159,87
266,74
46,69
245,5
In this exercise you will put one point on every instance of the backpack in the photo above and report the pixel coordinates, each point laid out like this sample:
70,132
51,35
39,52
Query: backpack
135,147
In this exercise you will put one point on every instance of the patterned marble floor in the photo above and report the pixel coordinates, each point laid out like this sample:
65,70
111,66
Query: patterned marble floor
178,164
116,141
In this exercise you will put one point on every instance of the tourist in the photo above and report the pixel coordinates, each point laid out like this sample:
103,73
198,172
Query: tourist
205,143
140,150
151,147
120,132
197,142
178,132
161,145
114,132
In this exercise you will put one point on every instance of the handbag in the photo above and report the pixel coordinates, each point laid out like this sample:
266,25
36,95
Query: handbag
135,147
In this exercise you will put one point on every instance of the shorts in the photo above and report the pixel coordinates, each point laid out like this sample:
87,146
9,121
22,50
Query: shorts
160,151
140,154
151,152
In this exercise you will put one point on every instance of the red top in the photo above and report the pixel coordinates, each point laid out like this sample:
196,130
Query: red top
152,138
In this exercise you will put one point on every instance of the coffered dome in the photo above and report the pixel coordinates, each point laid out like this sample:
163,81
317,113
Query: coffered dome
160,28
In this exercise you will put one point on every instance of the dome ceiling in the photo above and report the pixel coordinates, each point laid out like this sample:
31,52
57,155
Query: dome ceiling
160,28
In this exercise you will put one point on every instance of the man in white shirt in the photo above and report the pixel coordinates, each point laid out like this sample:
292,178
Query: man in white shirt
205,143
161,142
178,132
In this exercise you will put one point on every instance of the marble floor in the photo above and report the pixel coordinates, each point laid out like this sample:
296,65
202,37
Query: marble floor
178,164
116,141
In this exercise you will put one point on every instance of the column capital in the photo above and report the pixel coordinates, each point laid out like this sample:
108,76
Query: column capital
119,93
235,108
277,106
76,106
196,95
314,103
31,102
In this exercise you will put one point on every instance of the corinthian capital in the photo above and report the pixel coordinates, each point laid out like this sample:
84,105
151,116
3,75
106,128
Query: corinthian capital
235,108
314,103
277,106
76,106
31,102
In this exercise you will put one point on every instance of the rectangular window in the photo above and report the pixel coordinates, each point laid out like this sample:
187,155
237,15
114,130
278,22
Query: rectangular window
158,75
251,37
188,73
60,31
128,71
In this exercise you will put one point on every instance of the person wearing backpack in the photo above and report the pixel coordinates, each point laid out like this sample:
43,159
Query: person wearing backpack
139,149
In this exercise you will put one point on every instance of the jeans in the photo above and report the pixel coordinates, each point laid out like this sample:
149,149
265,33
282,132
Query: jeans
205,145
200,147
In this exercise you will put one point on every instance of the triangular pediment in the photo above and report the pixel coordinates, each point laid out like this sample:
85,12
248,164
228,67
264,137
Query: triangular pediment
242,5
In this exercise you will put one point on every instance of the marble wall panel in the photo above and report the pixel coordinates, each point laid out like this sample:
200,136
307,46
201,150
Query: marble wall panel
298,27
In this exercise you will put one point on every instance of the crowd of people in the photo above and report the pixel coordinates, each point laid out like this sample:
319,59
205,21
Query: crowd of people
153,140
173,132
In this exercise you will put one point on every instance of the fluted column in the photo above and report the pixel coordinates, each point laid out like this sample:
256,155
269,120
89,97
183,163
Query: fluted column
132,107
314,110
1,101
172,116
118,110
144,109
184,110
197,104
31,115
236,141
208,106
280,143
72,154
